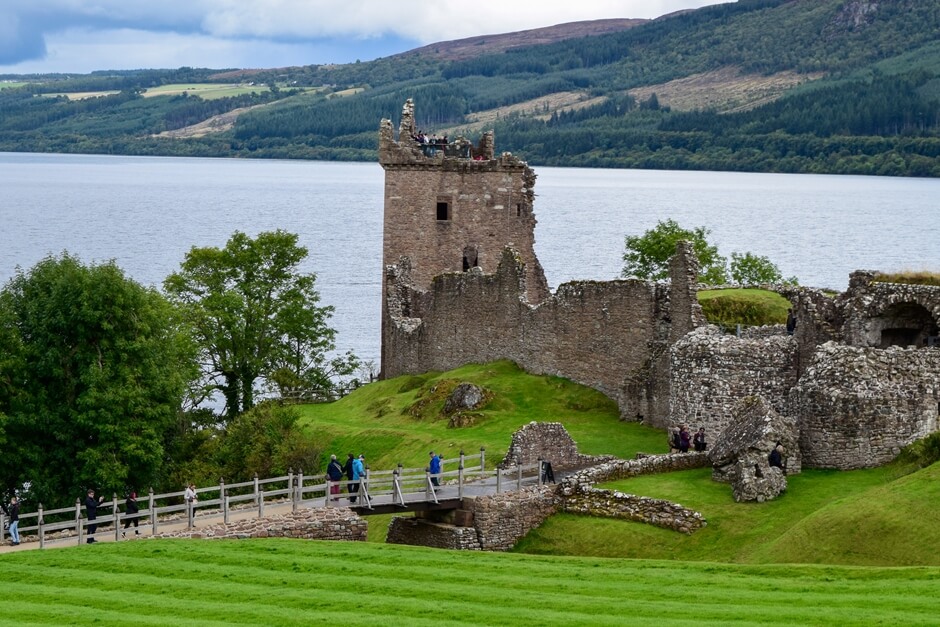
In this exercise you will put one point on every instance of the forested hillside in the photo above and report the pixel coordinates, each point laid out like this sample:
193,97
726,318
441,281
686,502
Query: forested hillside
840,86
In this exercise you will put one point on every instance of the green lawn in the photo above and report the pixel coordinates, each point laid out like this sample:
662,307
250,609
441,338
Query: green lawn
298,582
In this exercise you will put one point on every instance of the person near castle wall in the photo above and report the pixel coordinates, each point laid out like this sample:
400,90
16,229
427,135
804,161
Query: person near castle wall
13,512
91,511
775,458
435,469
189,495
352,487
791,321
699,440
130,514
685,439
674,440
335,472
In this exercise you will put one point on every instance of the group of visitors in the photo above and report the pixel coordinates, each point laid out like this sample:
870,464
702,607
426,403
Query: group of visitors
354,469
680,440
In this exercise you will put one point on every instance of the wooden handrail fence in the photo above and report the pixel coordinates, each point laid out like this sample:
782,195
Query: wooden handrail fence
398,486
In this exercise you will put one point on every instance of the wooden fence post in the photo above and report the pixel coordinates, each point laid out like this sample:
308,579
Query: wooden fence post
290,486
42,529
299,490
115,513
78,519
460,477
2,526
260,503
328,497
256,488
519,477
225,510
482,459
222,500
499,478
153,513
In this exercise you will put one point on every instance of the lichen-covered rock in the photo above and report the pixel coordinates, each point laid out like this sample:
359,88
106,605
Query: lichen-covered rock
465,396
753,479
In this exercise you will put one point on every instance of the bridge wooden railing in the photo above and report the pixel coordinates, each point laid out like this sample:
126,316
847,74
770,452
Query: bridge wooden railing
399,486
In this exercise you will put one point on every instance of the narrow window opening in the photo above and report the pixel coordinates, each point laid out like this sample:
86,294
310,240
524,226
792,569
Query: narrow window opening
519,210
443,211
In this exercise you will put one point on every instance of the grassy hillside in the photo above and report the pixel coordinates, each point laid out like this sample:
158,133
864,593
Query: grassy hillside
400,420
761,85
749,306
297,582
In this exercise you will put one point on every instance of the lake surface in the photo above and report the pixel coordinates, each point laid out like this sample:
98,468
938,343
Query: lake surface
147,212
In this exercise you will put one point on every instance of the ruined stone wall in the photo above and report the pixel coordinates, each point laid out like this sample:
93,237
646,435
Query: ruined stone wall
599,334
857,407
615,504
503,519
308,524
712,372
871,309
548,441
421,532
614,469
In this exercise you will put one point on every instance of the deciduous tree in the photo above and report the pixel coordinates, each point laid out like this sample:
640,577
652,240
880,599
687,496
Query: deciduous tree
91,378
253,313
647,256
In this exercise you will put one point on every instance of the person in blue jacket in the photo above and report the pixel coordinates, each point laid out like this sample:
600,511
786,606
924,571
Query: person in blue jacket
359,470
435,469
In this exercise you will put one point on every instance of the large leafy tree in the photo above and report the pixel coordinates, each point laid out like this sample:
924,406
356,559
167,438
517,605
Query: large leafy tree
254,314
92,373
647,256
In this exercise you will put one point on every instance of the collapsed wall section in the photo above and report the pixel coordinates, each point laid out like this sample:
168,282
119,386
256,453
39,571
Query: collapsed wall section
857,407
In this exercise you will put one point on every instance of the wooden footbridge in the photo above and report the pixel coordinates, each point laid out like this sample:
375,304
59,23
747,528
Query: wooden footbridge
378,492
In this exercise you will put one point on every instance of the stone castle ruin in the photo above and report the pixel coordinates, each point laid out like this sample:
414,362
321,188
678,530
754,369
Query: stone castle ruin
858,380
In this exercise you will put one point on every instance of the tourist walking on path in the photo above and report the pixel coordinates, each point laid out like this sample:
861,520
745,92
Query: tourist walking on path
189,495
130,514
91,511
359,471
435,469
699,439
684,439
13,512
350,470
335,472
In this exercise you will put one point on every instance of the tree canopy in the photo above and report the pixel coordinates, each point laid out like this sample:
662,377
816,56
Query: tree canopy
255,316
647,256
92,373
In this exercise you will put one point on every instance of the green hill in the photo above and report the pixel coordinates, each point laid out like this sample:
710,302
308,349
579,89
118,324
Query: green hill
762,85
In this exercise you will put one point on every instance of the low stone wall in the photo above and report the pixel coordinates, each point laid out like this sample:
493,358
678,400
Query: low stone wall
613,469
421,532
548,441
308,524
614,504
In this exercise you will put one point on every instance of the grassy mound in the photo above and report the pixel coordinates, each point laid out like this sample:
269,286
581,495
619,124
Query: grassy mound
750,307
401,419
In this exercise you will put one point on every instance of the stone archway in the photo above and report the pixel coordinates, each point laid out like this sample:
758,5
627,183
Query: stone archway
904,324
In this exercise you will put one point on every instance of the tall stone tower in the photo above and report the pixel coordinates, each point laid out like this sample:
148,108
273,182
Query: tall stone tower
455,207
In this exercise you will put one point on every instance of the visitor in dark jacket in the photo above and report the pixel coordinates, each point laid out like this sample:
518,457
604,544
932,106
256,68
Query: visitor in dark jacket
699,440
335,472
91,509
130,513
685,440
13,512
776,457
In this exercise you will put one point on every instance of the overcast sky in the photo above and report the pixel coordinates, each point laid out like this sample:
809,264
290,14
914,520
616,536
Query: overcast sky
38,36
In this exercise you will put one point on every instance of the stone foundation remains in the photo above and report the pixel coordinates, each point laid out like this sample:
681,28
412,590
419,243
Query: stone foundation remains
307,524
548,441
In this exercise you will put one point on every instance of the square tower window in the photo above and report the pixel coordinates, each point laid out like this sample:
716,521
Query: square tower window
443,210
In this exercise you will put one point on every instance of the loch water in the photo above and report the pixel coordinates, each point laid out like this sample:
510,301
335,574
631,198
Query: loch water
145,213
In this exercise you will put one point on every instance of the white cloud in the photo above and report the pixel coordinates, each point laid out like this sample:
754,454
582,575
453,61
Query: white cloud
84,35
